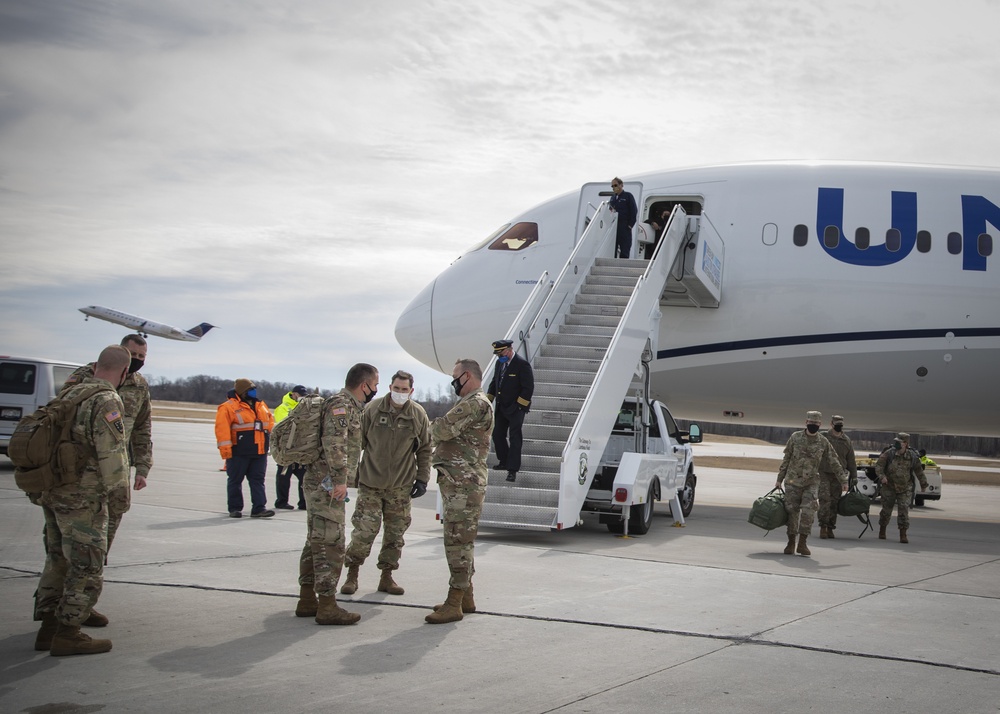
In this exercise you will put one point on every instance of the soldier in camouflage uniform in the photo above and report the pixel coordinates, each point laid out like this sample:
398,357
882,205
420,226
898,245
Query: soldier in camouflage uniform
895,468
76,514
830,486
325,487
806,454
137,414
396,441
461,442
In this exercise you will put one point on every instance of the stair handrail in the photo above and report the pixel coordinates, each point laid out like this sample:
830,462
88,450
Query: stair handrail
590,433
518,332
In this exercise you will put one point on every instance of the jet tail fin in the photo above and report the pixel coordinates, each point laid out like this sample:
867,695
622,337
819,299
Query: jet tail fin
200,330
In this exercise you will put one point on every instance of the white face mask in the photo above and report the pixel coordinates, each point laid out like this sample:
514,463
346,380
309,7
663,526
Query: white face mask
399,397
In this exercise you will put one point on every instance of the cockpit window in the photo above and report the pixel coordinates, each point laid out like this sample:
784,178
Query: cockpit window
518,237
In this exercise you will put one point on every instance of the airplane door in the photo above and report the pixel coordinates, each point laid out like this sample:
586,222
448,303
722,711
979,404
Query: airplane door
593,194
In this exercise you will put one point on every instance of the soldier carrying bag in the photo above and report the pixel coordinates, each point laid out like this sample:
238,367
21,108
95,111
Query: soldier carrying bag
768,511
296,439
854,503
41,448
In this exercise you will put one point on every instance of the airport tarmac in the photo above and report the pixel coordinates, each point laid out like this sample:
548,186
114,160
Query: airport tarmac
711,617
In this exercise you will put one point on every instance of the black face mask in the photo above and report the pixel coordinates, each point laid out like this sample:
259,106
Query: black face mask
135,365
812,428
838,427
457,385
370,395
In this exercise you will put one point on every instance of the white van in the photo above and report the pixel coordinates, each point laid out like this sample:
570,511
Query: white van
25,385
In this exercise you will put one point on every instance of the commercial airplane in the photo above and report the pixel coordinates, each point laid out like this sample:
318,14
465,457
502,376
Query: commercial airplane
859,289
146,327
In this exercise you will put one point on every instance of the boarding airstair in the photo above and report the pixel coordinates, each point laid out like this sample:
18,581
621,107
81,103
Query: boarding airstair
584,334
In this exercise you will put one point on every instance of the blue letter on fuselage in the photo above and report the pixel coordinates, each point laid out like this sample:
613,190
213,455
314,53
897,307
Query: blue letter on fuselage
976,212
830,212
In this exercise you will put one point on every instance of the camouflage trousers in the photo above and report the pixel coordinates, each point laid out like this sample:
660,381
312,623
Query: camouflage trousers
801,504
373,506
902,502
119,501
75,535
462,497
322,557
830,491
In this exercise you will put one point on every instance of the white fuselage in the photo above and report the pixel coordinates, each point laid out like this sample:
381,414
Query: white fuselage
893,337
139,324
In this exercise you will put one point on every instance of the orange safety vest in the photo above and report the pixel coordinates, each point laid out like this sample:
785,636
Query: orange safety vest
235,417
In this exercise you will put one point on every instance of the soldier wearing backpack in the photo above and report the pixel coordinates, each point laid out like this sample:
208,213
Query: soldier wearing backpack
76,510
896,468
283,478
830,486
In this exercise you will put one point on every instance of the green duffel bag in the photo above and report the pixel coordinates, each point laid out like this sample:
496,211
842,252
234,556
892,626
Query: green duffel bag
854,503
768,511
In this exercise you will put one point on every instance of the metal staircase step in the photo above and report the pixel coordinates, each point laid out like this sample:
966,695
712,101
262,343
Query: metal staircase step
533,518
556,389
560,377
593,321
583,309
557,404
516,494
611,281
542,457
560,339
566,364
546,432
547,417
526,480
571,352
585,328
629,263
603,299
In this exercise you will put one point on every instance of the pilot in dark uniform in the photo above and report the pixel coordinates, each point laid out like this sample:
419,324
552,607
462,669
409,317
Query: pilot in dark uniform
511,388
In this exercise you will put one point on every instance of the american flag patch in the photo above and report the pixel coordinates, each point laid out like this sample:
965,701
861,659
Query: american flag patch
113,416
339,411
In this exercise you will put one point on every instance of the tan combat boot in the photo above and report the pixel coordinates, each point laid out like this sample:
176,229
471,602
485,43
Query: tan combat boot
790,548
307,605
450,611
803,549
43,640
96,619
824,533
468,602
330,613
881,531
68,640
350,585
387,585
902,536
829,532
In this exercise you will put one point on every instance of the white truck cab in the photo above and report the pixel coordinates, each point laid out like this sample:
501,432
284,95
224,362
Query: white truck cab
647,458
25,385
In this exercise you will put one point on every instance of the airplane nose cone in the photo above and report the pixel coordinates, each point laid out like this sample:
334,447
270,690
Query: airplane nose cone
415,329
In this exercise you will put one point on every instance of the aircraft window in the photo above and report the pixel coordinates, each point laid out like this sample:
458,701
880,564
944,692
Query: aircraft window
862,238
924,241
893,240
800,236
518,237
954,243
17,378
831,236
489,238
769,234
985,244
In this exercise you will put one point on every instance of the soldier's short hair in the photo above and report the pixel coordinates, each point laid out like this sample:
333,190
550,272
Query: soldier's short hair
472,367
400,374
361,372
134,339
114,357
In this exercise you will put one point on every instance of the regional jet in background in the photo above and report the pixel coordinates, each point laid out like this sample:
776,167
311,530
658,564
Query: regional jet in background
854,288
146,327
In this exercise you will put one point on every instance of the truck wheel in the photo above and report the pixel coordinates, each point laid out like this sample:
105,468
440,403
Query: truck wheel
687,494
641,518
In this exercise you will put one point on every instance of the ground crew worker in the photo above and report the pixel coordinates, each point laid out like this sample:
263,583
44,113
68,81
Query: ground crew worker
806,453
395,468
511,388
326,488
895,469
243,426
925,459
76,514
283,478
136,416
461,442
830,488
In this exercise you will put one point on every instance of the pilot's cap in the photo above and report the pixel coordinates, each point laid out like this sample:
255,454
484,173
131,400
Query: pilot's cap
814,416
903,436
300,390
243,385
838,419
501,345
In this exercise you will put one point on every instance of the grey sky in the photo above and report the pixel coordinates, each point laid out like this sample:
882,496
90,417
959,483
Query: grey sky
297,174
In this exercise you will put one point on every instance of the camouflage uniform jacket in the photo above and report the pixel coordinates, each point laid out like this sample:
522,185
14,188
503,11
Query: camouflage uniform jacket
341,438
396,444
462,437
137,413
805,456
841,444
100,426
898,469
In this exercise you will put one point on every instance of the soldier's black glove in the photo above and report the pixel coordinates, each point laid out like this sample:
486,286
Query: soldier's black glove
418,490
